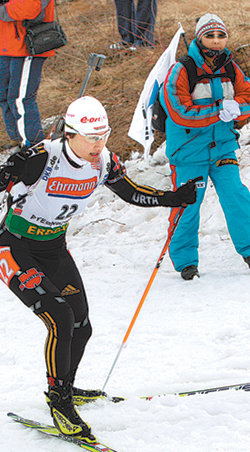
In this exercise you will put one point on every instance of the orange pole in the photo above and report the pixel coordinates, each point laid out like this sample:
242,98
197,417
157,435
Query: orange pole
143,298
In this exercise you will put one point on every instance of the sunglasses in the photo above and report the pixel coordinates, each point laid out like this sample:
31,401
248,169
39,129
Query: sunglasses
92,138
212,35
95,138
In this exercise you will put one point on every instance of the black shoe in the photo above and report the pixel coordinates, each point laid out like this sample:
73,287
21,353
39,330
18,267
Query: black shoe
64,414
247,260
190,272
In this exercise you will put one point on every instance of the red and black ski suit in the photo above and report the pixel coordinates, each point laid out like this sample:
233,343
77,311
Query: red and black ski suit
34,260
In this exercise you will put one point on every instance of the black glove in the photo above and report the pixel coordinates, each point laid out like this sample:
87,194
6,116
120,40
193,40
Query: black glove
12,168
184,195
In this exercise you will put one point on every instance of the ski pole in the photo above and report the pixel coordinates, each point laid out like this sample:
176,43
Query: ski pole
95,60
150,282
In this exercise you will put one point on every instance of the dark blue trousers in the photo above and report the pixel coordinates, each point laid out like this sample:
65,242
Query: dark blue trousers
19,81
136,25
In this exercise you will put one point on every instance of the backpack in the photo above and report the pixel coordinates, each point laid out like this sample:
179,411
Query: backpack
159,115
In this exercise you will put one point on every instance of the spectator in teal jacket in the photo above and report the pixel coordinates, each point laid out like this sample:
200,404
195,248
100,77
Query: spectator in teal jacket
201,140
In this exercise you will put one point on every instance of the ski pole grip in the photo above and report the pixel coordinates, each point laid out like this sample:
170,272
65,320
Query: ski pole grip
100,62
92,59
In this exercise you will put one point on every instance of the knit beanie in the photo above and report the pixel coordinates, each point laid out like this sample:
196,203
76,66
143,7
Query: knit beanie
209,22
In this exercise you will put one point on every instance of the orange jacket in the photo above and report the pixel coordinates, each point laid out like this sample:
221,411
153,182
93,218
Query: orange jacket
12,31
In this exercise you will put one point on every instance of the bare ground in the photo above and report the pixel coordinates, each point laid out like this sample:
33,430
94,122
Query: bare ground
91,26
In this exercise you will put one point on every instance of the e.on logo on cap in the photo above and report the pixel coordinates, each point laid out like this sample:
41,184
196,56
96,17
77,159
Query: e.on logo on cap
93,119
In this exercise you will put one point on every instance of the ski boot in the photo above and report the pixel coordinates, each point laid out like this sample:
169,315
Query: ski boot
63,412
190,272
83,396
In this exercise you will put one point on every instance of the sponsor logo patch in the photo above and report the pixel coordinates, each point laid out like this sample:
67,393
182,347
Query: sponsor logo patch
227,162
66,426
92,119
31,279
69,290
17,211
70,188
48,170
200,184
38,231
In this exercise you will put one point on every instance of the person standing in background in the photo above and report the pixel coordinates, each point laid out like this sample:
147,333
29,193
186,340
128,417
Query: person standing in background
20,73
135,24
201,139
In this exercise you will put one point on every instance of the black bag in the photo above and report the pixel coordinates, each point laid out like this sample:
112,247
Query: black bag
43,37
159,115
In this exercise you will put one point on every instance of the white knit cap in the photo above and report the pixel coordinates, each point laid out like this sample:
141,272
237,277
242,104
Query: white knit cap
207,23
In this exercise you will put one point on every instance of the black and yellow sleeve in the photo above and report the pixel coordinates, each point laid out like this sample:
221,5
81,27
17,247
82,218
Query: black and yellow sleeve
140,195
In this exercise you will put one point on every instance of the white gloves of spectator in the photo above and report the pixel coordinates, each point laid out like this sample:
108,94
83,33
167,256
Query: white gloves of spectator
231,110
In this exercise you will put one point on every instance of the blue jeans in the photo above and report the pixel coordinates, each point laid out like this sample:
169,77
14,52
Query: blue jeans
136,26
19,81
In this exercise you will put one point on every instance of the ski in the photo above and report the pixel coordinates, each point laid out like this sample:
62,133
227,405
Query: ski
104,396
94,395
239,387
50,430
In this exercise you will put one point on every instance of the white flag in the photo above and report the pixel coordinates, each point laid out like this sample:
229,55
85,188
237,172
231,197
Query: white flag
141,125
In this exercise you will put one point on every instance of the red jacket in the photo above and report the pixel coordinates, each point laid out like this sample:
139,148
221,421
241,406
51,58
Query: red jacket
12,31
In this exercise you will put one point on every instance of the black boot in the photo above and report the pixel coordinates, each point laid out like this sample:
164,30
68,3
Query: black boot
247,260
82,396
190,272
63,412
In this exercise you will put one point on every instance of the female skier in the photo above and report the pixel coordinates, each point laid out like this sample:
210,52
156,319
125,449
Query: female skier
52,182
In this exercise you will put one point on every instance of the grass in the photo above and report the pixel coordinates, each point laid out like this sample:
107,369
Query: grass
91,26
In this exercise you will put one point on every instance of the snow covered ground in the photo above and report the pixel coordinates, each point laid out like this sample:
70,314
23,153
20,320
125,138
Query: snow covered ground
189,334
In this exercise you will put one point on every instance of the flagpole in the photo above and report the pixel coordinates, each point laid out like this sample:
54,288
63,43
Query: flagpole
141,125
183,34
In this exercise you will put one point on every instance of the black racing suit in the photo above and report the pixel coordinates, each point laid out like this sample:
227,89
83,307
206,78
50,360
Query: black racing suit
44,276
